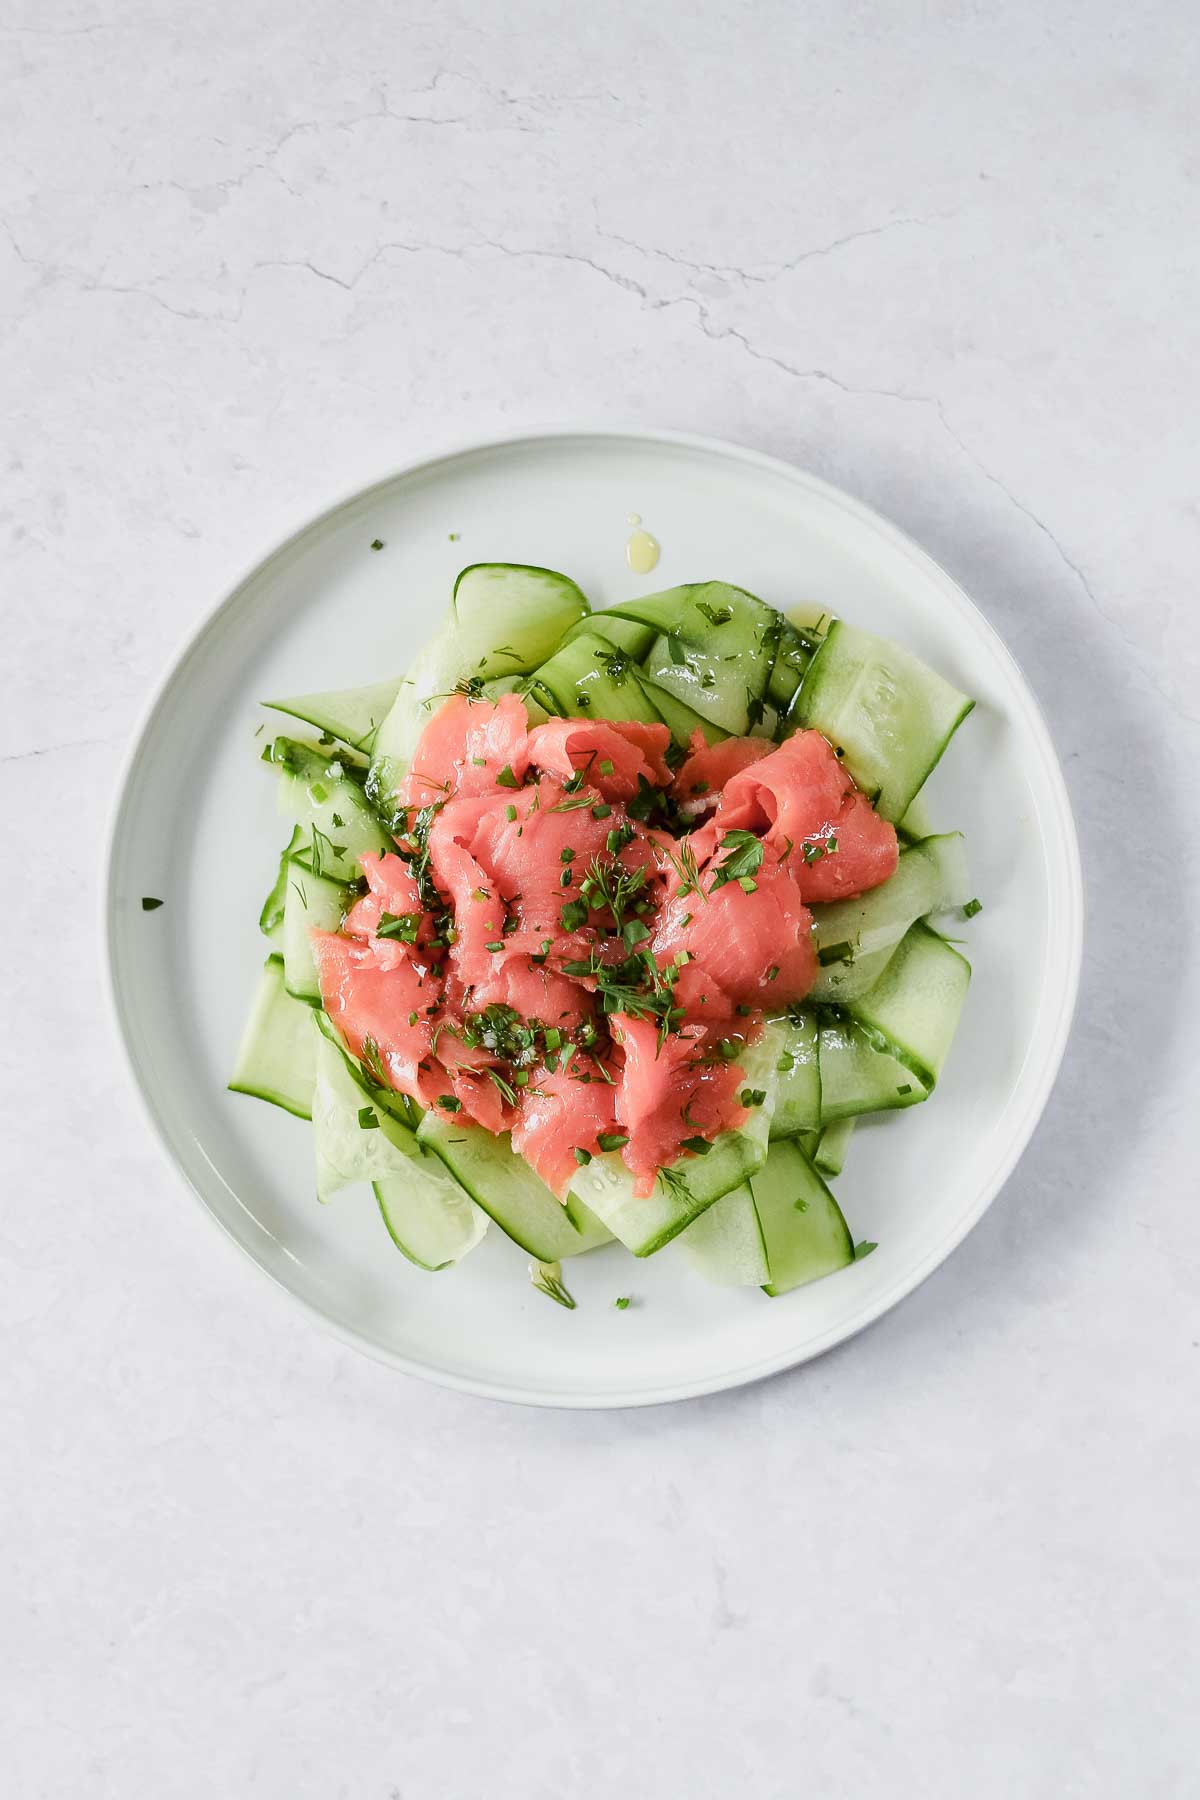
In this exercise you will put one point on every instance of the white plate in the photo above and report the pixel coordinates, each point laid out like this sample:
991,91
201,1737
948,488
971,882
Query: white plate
196,825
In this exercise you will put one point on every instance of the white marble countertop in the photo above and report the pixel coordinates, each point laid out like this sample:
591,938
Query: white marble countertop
945,256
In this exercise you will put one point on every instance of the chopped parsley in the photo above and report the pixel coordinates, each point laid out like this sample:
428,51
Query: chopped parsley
741,858
506,778
368,1118
149,903
377,543
612,1140
622,1302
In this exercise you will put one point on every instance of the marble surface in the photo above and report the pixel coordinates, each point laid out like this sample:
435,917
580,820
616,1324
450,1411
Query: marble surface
946,256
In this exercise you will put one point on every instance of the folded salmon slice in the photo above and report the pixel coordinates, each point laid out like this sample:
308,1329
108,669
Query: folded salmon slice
755,947
670,1089
800,795
562,1113
466,745
612,754
383,1006
699,781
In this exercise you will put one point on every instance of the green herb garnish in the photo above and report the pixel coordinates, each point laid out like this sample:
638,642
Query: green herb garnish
403,926
742,855
547,1279
368,1118
968,912
149,903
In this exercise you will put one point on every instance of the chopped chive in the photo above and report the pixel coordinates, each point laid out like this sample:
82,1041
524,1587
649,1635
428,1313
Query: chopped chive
494,946
403,926
747,884
635,932
752,1096
606,767
601,810
510,813
773,972
553,1037
968,912
479,762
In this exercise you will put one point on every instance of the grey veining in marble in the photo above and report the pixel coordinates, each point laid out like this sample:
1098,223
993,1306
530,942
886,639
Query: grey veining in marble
947,256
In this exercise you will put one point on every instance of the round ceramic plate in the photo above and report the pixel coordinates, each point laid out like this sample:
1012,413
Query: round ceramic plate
196,824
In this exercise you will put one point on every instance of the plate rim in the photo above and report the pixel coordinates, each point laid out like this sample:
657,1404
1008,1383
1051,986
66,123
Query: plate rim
1071,895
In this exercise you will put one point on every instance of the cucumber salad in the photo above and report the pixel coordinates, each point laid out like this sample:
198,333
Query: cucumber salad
610,925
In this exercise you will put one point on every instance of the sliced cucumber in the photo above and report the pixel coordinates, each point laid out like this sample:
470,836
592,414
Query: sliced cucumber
591,678
858,1077
504,620
324,794
805,1234
312,903
913,1009
625,634
717,654
505,1186
270,919
798,1094
890,714
679,719
515,612
725,1244
916,823
275,1060
792,656
854,938
829,1153
353,715
684,1191
352,1140
428,1215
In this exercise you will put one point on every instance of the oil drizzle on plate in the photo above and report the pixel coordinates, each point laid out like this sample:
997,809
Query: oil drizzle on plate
641,552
